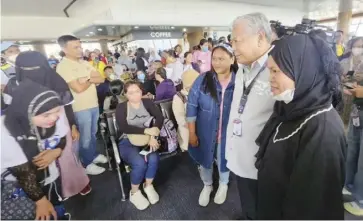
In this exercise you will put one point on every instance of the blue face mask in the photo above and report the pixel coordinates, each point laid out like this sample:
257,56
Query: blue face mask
204,48
141,77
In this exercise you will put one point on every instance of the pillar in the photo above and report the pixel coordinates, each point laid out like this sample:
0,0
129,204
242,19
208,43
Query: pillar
194,37
40,48
104,47
345,16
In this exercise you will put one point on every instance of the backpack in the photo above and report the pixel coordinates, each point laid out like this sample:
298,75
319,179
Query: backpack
168,137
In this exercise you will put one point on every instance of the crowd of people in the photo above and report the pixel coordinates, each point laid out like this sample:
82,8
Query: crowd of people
265,110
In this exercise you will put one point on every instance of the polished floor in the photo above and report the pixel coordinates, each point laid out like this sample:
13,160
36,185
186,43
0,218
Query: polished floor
178,184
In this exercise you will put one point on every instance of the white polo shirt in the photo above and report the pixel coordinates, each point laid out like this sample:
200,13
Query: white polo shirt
241,150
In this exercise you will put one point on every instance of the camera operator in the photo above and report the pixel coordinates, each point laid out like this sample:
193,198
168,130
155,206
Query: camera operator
338,46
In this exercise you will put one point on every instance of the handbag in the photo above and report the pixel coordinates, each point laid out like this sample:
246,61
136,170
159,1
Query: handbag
14,204
138,140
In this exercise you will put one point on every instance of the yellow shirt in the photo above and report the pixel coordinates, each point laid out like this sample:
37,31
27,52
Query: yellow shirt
100,67
71,70
340,50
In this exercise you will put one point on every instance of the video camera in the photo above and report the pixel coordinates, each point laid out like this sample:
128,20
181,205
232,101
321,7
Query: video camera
306,26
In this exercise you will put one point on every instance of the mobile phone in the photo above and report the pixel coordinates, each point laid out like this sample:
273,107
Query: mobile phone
350,73
349,86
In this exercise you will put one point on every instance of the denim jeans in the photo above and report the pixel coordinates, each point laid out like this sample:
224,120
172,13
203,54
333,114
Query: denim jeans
87,126
207,174
354,162
140,168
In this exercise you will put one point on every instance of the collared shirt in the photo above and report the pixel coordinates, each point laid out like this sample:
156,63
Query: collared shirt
241,150
71,70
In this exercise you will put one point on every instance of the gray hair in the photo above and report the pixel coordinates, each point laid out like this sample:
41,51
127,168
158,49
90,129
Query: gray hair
257,22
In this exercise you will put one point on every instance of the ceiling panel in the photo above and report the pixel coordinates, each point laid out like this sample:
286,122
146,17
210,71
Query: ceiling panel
49,8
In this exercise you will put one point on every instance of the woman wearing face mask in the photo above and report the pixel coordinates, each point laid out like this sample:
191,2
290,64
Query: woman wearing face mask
203,57
209,104
301,160
97,64
179,107
354,177
37,129
147,84
166,88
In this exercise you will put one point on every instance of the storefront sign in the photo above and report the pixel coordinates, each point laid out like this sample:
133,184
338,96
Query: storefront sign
149,35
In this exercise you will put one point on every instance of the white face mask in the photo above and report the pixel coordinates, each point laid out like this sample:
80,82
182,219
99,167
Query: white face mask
285,96
112,77
357,51
12,58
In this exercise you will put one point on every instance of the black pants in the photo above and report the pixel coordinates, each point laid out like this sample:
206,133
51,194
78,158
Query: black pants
247,189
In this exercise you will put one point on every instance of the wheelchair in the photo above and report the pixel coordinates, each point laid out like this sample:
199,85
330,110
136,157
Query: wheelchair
111,137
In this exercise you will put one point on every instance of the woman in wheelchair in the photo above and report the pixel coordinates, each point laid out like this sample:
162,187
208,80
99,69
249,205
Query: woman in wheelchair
116,97
139,121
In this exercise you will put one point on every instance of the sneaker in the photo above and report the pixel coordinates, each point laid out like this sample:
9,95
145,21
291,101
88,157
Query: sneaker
100,159
353,208
93,169
221,194
204,196
151,194
86,190
139,201
346,192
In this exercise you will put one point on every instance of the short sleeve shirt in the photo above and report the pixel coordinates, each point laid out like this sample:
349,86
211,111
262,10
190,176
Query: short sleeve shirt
72,70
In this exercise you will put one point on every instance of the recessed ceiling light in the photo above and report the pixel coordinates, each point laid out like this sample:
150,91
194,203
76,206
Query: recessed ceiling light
184,29
172,27
136,27
87,35
100,29
91,32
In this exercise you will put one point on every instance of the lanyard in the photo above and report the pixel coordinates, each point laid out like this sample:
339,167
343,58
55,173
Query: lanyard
246,91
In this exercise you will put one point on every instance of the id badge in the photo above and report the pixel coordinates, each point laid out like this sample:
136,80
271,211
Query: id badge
356,121
237,127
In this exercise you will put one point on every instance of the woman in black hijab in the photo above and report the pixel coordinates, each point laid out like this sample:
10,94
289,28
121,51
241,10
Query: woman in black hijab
34,66
33,119
302,147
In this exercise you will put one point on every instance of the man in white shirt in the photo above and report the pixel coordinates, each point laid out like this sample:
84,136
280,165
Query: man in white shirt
252,104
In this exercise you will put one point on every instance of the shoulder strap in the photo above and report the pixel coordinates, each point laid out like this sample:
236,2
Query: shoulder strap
182,97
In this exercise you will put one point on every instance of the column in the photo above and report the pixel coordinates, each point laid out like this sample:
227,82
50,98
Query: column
40,48
104,47
194,37
345,16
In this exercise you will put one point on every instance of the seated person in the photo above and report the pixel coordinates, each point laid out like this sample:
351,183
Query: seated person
131,118
116,97
147,84
103,88
179,107
166,88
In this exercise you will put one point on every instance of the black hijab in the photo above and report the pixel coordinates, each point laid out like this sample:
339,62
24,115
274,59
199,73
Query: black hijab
34,66
315,69
28,100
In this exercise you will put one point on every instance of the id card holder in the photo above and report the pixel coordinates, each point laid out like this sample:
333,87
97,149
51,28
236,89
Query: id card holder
355,116
237,127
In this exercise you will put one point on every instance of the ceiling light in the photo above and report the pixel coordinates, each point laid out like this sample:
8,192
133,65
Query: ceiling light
91,32
172,27
136,27
184,29
113,26
87,35
100,29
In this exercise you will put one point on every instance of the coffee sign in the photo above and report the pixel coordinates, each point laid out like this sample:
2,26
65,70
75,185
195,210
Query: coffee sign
160,34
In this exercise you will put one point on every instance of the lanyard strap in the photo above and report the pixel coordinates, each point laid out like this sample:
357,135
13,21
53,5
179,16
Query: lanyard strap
246,91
